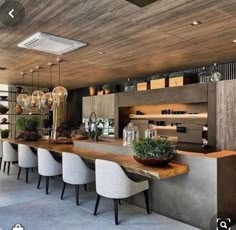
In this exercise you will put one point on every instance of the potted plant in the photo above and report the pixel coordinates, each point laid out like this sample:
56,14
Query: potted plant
4,133
159,81
100,91
28,127
181,78
3,109
153,152
107,88
92,90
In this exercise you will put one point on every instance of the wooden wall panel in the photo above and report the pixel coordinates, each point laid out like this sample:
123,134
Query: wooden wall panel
226,115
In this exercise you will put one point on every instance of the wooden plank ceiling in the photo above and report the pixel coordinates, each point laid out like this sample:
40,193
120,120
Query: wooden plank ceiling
135,41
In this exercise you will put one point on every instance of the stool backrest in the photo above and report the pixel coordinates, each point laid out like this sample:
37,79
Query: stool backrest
111,180
9,153
47,166
1,149
26,158
75,171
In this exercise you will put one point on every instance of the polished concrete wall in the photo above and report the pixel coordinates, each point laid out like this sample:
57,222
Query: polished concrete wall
190,198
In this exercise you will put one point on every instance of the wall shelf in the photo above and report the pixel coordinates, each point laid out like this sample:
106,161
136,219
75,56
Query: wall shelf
170,116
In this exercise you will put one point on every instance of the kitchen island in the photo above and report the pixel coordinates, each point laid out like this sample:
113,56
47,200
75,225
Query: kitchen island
126,161
193,185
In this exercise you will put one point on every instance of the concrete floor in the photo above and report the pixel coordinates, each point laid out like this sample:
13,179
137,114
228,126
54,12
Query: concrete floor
24,204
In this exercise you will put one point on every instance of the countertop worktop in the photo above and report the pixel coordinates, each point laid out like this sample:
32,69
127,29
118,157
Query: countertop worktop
126,161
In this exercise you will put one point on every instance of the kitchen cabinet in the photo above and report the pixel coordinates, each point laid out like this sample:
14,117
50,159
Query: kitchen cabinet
87,106
103,106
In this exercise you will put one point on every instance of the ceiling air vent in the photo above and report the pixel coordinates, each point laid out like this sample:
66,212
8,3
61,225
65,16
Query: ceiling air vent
3,68
141,3
51,43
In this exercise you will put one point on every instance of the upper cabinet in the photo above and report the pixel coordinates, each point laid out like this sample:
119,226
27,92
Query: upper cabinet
103,106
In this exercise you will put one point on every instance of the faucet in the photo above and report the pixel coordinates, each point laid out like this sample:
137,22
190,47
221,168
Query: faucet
93,129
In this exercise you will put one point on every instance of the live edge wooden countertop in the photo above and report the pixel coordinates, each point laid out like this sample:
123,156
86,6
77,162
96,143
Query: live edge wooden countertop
126,161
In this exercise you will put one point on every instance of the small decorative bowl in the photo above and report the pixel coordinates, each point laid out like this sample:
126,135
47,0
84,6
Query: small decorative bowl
160,162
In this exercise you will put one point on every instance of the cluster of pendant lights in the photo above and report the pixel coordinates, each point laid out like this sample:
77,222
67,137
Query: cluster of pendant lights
39,100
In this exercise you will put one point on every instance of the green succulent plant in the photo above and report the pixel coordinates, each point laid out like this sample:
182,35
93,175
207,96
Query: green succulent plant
159,76
4,133
151,148
176,74
107,87
28,123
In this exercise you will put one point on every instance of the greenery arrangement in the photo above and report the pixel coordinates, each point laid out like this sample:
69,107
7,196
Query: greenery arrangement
4,133
159,76
107,87
154,148
176,74
3,109
28,123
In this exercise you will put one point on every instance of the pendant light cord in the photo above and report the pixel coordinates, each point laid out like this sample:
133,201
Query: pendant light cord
38,80
51,76
32,81
59,67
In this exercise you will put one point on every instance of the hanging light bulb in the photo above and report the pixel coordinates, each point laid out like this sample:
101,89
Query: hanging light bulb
38,93
49,101
21,98
32,103
60,91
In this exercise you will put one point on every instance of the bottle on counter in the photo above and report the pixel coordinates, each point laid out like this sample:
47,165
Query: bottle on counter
130,134
203,77
151,132
215,74
129,86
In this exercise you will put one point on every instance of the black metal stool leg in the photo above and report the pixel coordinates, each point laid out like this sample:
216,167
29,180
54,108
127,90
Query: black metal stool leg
63,190
77,194
19,171
39,181
8,168
47,184
146,195
4,166
85,187
96,205
0,163
116,204
27,175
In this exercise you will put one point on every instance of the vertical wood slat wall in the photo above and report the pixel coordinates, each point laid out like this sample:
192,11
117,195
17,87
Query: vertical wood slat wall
226,115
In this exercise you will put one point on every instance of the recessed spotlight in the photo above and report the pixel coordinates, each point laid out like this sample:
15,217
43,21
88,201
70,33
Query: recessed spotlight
101,53
195,23
234,41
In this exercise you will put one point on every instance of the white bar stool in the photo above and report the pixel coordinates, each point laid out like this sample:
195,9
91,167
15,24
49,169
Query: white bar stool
10,154
1,154
47,166
112,182
26,159
75,172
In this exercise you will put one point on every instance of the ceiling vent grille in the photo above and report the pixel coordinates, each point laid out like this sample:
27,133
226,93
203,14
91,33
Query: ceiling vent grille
3,68
141,3
51,44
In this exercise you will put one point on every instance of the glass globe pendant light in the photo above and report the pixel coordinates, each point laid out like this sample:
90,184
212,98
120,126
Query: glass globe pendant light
32,103
38,93
48,100
60,91
21,98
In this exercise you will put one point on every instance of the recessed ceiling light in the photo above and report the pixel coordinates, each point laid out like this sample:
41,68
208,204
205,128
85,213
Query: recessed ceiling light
234,41
101,53
195,23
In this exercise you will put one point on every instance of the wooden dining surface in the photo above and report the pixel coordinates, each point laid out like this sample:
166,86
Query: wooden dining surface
126,161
